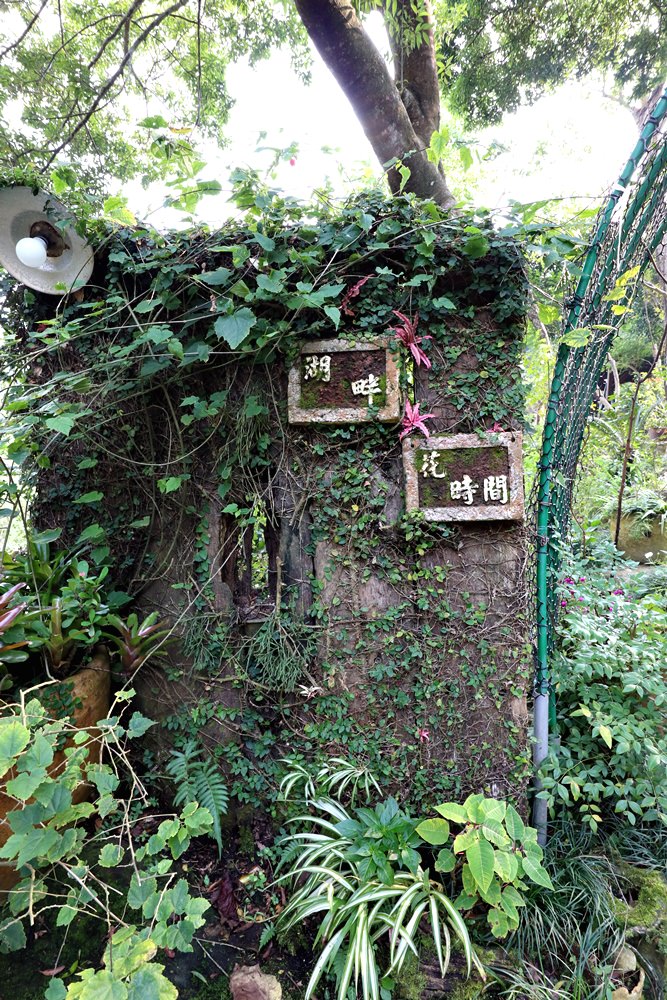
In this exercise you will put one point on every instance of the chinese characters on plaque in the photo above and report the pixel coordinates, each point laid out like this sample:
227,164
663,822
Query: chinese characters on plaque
342,381
465,477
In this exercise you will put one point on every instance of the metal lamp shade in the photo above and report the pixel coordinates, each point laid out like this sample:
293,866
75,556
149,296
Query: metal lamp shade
20,209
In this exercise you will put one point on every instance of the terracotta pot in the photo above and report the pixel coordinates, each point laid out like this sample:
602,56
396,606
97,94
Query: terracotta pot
91,686
637,547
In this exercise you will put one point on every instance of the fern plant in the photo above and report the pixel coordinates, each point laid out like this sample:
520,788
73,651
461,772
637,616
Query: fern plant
199,781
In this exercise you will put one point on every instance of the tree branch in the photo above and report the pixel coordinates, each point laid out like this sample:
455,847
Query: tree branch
30,25
364,78
139,40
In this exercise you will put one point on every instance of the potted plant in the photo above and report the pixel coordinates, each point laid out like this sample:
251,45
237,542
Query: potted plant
51,635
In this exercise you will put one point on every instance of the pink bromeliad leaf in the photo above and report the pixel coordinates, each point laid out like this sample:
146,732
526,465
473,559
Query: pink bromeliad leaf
352,294
413,420
407,334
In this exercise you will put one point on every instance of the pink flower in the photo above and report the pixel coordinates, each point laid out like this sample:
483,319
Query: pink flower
292,161
496,429
413,420
407,334
424,735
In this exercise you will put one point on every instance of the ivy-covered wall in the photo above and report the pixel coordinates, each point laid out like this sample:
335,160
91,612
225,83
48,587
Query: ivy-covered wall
315,616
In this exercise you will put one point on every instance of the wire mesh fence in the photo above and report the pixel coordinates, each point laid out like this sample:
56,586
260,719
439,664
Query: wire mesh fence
629,235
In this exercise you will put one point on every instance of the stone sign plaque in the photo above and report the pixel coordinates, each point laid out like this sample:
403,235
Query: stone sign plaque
343,382
465,477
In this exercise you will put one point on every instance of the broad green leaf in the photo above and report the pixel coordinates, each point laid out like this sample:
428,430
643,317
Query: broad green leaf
493,809
492,894
56,990
578,337
434,831
465,840
23,785
505,866
140,891
138,725
472,807
13,739
493,832
445,861
514,824
333,312
466,157
235,328
220,276
63,423
111,855
150,983
453,811
130,955
476,246
499,922
548,314
535,872
12,936
265,242
92,497
102,986
480,857
605,733
272,283
171,483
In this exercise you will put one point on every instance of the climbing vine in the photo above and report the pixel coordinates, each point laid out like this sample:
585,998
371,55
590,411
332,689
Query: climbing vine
149,420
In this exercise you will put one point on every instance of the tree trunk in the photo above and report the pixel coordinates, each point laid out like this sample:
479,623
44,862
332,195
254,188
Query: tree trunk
397,117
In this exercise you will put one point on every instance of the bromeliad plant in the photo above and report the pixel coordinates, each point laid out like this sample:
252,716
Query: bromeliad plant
135,640
364,878
12,638
496,853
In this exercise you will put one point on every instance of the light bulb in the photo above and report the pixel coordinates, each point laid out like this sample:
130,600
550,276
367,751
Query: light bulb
31,251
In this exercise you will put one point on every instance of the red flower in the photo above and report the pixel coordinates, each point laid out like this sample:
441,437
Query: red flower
407,334
413,420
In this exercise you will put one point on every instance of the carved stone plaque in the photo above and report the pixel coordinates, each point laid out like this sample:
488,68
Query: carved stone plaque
465,477
343,382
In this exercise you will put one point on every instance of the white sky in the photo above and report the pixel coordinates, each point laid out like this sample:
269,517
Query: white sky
573,143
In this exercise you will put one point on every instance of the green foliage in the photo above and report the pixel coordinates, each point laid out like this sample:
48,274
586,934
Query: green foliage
364,879
178,53
189,431
492,62
136,641
199,781
568,938
608,669
502,857
336,776
61,867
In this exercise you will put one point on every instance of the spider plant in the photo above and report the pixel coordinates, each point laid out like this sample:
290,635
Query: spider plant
333,778
364,880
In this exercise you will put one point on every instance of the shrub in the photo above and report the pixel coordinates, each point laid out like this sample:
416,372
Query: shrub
47,842
609,673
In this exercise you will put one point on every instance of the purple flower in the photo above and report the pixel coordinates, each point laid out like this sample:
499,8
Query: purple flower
618,591
563,604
